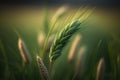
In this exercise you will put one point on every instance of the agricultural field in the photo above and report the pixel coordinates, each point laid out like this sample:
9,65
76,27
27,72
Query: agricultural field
59,43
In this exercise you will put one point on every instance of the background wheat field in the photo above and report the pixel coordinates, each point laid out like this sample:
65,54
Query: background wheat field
91,53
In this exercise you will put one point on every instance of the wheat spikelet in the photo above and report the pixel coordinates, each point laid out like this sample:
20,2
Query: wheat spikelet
62,39
74,47
24,52
43,69
100,70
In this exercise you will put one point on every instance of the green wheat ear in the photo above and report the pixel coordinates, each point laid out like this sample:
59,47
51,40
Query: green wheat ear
62,39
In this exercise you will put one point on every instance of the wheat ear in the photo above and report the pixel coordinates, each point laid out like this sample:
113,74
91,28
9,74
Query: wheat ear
74,48
43,69
62,39
24,51
100,70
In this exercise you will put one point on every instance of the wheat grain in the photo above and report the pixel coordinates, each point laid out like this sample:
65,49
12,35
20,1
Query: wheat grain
43,69
62,39
24,52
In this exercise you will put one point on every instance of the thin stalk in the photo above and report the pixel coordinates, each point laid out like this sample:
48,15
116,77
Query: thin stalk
17,33
47,38
50,68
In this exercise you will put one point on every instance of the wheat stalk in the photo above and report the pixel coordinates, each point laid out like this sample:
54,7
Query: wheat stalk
43,69
100,70
24,52
62,39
